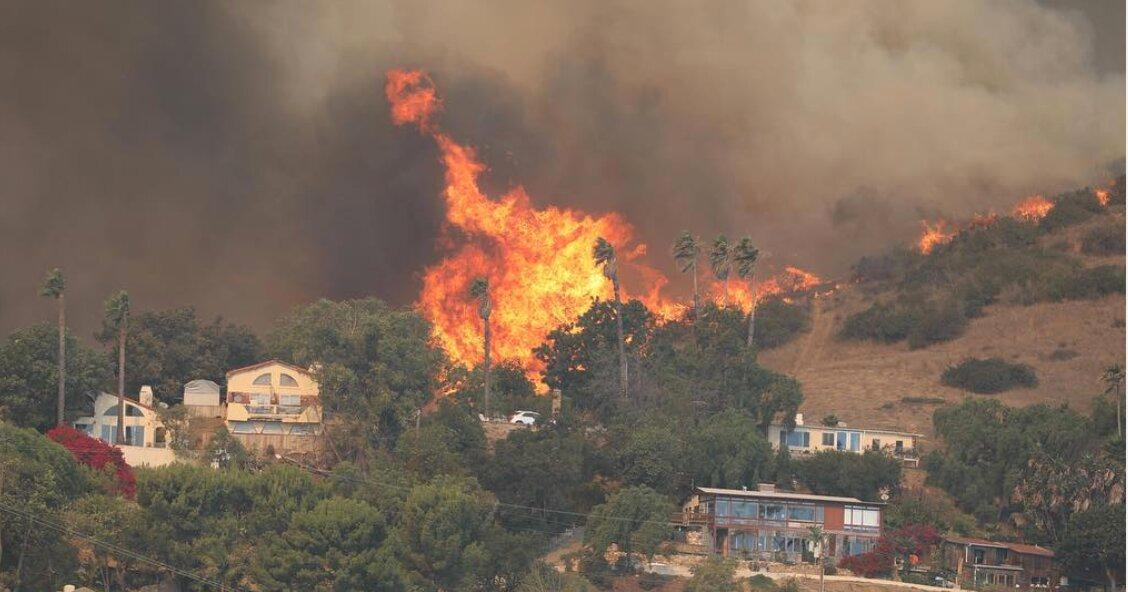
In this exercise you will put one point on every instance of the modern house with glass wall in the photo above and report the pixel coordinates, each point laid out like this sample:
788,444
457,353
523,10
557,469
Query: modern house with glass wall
773,525
804,438
143,425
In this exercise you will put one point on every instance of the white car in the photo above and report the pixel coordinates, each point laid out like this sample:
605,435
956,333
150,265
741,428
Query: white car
525,417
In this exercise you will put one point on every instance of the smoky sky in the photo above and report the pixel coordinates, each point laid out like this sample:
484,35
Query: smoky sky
239,156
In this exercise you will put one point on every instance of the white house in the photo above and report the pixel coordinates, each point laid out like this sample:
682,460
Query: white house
814,438
143,428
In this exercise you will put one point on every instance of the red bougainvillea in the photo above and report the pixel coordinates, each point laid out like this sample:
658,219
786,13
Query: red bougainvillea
96,454
909,540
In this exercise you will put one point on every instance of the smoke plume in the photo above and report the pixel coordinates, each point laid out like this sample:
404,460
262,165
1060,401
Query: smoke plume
240,156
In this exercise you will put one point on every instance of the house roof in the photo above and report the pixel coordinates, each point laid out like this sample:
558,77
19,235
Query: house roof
131,401
778,425
267,363
1022,548
785,495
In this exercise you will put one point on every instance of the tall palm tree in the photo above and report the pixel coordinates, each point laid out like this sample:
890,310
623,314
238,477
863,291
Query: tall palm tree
55,286
117,319
1114,386
604,254
818,536
745,256
686,250
480,291
720,260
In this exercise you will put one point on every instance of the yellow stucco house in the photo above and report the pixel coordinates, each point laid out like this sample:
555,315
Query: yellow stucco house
273,403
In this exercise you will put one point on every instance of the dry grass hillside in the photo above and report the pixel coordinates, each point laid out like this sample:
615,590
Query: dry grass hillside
1067,343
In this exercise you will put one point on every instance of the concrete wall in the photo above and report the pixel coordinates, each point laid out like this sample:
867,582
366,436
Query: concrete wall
137,456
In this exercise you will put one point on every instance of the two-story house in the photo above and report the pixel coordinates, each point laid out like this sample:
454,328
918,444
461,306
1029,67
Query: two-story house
769,524
274,404
981,563
806,438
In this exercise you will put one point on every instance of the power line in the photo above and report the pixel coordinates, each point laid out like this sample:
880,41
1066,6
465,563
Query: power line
68,531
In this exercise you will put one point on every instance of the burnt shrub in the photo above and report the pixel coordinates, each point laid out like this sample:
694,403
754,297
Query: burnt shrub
989,376
1106,239
779,322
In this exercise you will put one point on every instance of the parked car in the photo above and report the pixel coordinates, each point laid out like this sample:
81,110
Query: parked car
525,417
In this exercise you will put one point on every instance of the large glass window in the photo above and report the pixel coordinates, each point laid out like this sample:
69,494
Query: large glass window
855,442
862,517
744,509
136,435
262,379
828,439
130,411
774,512
798,439
290,400
805,513
287,380
108,433
242,427
271,427
724,508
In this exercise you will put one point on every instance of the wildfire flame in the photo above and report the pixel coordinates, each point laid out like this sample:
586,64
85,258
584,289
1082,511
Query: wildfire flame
1102,196
538,261
1032,208
934,235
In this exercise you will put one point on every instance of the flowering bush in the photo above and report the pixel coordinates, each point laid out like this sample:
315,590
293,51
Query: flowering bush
96,454
909,540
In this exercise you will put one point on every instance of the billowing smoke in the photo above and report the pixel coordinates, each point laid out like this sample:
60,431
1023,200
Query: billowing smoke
239,157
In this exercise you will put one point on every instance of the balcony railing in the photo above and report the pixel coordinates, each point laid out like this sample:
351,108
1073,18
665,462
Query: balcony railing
260,410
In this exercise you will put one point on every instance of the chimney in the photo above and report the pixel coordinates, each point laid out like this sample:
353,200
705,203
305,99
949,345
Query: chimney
146,396
798,419
765,487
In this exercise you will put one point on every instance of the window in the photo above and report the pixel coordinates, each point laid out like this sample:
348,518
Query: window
108,434
805,513
130,411
745,509
856,545
260,399
135,435
270,427
287,380
862,517
828,439
978,556
290,400
855,442
303,429
242,427
876,444
796,439
262,380
774,512
724,507
1000,556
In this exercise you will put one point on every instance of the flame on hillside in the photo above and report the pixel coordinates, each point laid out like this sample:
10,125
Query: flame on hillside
934,234
538,261
1032,208
1102,196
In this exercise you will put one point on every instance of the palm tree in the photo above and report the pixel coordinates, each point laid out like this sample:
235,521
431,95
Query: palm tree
604,254
818,535
117,319
744,255
55,287
686,250
1114,386
480,291
720,260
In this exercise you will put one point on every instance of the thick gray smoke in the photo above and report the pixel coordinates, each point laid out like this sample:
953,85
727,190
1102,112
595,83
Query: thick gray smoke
238,156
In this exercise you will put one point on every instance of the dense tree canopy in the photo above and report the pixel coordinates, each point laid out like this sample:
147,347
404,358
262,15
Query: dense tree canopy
29,376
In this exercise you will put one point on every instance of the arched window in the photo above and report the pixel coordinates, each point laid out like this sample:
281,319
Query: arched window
287,380
130,411
263,379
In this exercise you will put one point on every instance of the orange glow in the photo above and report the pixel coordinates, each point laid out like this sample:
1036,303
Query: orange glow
1102,196
983,220
934,235
1032,208
538,261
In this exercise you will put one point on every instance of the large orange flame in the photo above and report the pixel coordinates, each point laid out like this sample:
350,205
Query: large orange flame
1032,208
538,261
1102,196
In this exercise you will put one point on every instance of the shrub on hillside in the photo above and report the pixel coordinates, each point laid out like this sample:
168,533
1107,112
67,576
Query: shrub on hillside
1106,239
97,455
886,323
1069,209
779,322
1079,284
990,376
934,323
867,565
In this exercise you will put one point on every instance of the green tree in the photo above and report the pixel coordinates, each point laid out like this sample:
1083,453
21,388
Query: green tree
443,531
720,261
376,366
480,291
55,287
116,321
544,578
335,546
450,441
119,522
635,519
1092,547
745,256
687,249
510,388
715,574
864,476
654,455
729,450
29,376
1113,379
604,254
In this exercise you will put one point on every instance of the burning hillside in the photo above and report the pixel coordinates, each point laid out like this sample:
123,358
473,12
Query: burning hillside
538,261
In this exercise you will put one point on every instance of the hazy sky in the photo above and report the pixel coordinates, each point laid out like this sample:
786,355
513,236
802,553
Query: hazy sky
239,157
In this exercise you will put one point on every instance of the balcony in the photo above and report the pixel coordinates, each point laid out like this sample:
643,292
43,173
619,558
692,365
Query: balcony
273,410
